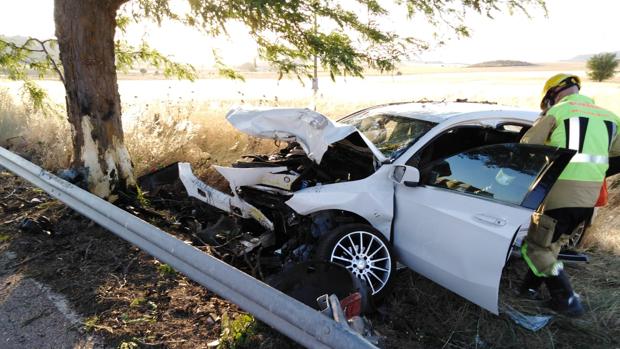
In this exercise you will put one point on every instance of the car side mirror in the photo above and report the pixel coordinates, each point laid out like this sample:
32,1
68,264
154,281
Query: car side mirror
407,175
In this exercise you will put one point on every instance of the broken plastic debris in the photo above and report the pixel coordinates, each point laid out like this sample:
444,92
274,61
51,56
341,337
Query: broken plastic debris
530,322
76,176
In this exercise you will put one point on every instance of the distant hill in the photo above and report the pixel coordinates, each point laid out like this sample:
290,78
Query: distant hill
583,58
501,63
20,40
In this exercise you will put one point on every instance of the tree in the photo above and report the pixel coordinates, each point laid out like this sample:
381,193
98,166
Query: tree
602,66
285,33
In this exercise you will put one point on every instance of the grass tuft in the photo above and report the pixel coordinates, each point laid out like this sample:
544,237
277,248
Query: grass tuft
238,332
166,270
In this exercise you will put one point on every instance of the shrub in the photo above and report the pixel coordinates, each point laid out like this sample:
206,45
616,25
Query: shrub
602,66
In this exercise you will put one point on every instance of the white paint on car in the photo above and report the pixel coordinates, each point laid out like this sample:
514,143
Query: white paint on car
312,130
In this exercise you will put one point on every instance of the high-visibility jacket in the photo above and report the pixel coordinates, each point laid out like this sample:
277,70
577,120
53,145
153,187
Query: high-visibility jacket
588,129
576,123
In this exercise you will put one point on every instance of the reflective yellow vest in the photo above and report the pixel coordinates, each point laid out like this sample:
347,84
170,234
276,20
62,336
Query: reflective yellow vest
588,129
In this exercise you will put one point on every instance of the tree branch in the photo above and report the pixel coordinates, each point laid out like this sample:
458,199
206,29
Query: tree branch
25,47
50,58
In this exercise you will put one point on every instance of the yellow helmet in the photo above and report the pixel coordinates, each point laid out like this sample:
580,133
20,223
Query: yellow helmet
551,87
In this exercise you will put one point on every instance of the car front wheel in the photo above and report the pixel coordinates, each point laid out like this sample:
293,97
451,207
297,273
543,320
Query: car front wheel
363,251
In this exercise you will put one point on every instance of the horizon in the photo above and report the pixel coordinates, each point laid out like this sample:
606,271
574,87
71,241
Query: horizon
491,39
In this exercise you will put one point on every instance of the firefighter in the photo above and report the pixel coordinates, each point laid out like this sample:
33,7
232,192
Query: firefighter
568,120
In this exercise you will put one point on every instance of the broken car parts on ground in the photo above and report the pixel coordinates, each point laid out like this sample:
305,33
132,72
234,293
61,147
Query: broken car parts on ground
443,188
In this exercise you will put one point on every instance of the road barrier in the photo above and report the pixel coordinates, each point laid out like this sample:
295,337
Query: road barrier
299,322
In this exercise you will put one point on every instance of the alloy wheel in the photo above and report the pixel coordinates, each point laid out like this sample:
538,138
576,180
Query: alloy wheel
366,257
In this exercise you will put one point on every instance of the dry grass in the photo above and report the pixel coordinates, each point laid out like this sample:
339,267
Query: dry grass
422,314
604,234
169,132
197,132
43,138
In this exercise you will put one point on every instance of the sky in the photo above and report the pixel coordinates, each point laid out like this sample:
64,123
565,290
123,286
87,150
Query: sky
572,27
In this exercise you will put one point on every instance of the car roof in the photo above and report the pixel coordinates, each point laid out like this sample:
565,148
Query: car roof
441,111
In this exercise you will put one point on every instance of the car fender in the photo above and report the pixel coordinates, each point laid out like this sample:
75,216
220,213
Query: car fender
370,198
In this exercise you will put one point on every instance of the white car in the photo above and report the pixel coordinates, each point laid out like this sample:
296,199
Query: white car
443,188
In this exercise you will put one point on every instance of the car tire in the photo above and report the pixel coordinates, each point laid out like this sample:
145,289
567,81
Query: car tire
374,263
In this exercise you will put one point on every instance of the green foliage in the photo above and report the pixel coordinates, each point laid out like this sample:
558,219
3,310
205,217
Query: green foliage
128,345
35,94
346,36
144,202
602,66
31,57
122,22
237,333
225,70
128,56
166,270
39,58
90,323
137,302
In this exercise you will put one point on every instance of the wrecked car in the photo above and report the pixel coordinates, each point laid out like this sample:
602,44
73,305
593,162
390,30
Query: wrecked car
443,188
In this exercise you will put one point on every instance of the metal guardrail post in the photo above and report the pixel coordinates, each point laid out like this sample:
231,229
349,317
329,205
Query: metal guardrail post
289,316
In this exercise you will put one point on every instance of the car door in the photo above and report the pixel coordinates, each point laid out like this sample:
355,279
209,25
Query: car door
456,226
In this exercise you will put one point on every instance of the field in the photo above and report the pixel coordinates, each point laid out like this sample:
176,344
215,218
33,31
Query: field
193,113
116,287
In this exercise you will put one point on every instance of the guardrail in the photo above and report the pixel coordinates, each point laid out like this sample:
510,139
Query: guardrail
289,316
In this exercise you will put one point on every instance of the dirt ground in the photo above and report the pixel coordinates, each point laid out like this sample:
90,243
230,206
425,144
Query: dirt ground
125,298
119,292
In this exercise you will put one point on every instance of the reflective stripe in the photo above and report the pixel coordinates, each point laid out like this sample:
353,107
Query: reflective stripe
574,134
557,268
529,262
592,159
587,129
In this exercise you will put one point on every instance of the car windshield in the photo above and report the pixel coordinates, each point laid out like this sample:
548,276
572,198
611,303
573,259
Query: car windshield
391,134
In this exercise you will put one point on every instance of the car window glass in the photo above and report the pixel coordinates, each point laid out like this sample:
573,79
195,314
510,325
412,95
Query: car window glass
390,133
460,139
501,172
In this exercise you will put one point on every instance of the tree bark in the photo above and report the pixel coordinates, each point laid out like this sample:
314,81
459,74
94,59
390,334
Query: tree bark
85,31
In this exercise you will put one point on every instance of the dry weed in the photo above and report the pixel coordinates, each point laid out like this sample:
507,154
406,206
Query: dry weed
42,137
160,134
604,234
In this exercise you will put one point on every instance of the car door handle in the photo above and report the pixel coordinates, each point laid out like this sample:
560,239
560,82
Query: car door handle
485,218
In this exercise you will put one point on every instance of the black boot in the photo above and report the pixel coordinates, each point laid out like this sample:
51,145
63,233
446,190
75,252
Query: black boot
530,287
563,299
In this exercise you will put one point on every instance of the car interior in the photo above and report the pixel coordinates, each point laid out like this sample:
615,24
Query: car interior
460,139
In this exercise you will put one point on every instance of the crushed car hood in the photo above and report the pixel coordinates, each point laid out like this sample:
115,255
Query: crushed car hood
312,130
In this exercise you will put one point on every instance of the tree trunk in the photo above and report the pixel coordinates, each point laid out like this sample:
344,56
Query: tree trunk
85,31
